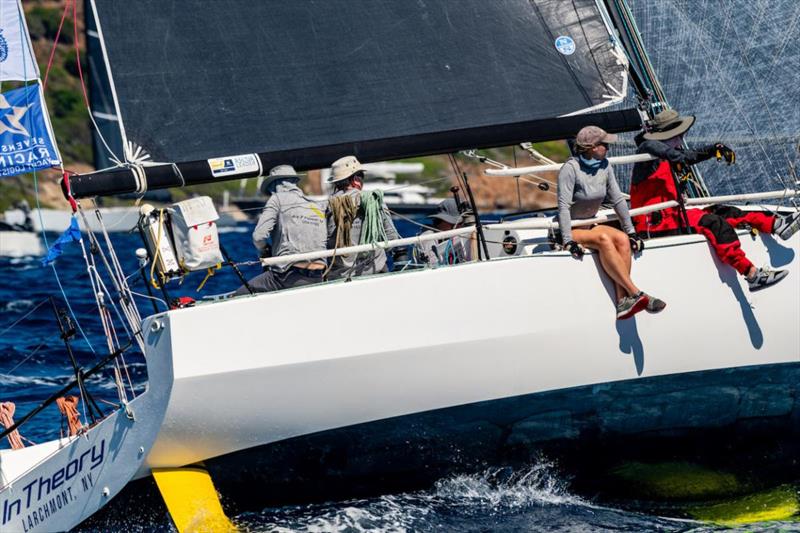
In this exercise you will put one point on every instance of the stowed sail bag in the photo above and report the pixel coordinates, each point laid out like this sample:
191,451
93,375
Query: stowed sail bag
195,230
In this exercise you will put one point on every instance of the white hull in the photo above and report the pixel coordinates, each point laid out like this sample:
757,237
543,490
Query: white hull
54,486
258,370
20,244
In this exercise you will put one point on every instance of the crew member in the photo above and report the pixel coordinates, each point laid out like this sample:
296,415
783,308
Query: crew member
350,214
447,251
293,224
584,183
663,180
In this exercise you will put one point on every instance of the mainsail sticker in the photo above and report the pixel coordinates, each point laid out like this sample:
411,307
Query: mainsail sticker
26,140
16,54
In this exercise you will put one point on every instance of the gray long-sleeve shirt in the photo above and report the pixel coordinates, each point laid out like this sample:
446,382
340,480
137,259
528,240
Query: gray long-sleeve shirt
295,224
363,263
582,190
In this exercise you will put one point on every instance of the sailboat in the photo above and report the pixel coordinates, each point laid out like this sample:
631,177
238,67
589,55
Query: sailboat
56,483
324,390
17,238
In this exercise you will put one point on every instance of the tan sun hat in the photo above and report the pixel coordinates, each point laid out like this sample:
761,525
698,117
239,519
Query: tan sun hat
668,124
591,136
343,168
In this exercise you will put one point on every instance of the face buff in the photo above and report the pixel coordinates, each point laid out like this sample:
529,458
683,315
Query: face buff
591,163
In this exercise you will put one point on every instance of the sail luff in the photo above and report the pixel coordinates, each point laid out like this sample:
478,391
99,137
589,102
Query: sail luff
110,75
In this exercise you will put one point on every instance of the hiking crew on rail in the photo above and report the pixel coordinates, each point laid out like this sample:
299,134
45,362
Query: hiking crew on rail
658,181
584,183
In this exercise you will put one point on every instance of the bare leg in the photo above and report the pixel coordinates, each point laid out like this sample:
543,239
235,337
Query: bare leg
616,265
623,246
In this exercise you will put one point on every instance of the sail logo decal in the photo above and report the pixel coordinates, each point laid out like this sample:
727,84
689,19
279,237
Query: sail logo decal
25,140
38,500
565,45
234,165
3,47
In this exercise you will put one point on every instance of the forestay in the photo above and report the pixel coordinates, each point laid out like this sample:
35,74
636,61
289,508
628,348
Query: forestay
307,81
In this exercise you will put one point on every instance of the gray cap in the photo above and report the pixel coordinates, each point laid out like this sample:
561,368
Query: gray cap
277,173
591,136
447,210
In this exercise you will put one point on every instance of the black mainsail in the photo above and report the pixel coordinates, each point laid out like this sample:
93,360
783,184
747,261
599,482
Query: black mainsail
307,81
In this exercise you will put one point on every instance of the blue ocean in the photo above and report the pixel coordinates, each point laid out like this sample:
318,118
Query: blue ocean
34,364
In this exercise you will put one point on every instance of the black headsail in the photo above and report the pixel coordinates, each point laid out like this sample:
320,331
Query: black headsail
307,81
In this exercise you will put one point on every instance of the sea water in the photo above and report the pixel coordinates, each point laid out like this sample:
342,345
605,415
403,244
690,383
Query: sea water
34,364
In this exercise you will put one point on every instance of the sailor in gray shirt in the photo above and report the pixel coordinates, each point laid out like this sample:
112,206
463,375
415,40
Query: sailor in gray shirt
294,224
447,251
346,218
584,183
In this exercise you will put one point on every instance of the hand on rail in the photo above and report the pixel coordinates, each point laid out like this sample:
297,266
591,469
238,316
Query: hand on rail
575,249
637,243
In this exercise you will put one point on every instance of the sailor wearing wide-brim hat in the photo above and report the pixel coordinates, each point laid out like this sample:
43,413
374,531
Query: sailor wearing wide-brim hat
294,224
664,179
345,168
668,124
347,217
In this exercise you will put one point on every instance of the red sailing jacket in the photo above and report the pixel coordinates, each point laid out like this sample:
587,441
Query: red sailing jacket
656,188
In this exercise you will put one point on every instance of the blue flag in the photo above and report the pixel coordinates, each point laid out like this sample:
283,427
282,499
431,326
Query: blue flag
73,234
26,142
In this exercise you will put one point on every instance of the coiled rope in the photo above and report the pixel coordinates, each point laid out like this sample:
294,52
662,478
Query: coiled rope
344,210
372,229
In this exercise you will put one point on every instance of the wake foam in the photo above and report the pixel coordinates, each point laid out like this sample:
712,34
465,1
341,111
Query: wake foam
494,492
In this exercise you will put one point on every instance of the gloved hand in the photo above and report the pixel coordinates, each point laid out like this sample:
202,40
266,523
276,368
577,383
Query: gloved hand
637,243
575,249
723,152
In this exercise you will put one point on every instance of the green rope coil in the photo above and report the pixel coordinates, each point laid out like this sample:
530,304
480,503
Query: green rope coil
372,230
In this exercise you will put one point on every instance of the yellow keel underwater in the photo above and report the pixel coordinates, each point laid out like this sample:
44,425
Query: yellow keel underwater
192,500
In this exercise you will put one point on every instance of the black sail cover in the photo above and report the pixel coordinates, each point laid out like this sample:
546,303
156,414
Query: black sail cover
306,81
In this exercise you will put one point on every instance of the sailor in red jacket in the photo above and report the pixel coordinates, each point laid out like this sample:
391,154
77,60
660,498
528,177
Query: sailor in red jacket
655,182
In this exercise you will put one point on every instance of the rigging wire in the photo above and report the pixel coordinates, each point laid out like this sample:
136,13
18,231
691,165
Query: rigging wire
29,313
111,153
36,180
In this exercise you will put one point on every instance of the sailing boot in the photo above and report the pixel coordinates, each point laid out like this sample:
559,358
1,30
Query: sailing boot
764,277
655,305
630,305
786,226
